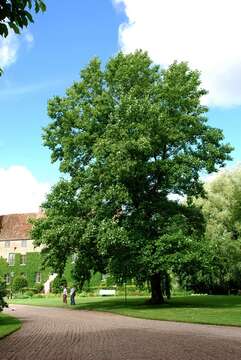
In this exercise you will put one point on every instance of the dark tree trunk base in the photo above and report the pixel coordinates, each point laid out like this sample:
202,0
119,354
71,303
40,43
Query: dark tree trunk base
156,290
155,301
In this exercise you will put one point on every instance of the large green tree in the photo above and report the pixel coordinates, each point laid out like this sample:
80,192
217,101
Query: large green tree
129,136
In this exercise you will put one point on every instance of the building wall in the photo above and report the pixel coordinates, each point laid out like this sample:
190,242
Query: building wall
16,246
25,259
31,267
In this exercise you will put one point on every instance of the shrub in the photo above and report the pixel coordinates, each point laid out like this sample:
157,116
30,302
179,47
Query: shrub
29,293
38,296
19,283
58,284
39,288
25,289
3,293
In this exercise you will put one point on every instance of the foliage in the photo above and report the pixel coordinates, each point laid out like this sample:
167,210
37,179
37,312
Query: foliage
29,293
19,283
33,265
39,288
220,268
3,293
93,284
129,136
3,267
16,14
58,284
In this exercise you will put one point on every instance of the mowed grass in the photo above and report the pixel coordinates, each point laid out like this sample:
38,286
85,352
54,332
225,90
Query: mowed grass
217,310
8,324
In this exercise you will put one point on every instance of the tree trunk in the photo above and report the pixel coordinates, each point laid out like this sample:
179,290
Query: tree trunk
156,290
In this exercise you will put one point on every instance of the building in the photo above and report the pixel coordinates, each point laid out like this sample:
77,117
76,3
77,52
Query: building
18,256
15,237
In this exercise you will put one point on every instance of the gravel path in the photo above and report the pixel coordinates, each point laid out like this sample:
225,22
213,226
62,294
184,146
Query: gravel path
63,334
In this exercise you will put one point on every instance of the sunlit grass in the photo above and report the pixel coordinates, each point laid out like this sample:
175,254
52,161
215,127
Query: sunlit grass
8,324
219,310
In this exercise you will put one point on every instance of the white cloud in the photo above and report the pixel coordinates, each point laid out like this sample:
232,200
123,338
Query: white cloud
10,46
13,89
29,39
205,33
20,191
8,49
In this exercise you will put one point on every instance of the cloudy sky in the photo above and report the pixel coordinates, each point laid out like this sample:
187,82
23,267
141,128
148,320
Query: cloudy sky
47,58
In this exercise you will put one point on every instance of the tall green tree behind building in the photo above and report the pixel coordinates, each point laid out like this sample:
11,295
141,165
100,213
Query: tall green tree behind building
129,136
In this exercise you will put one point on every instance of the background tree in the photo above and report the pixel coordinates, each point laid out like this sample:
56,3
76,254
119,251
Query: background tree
58,284
220,268
128,136
17,14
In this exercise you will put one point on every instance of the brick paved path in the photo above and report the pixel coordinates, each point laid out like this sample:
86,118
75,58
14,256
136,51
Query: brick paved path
62,334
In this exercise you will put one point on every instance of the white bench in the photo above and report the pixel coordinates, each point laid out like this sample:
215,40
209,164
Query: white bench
106,292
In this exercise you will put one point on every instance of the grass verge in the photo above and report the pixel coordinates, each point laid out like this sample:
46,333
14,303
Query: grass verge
8,325
215,310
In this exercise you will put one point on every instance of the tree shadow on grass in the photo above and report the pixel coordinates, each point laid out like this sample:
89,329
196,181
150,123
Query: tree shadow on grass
206,301
8,320
176,302
8,324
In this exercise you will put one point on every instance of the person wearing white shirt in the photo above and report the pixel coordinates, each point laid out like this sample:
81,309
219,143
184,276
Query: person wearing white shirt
72,296
65,294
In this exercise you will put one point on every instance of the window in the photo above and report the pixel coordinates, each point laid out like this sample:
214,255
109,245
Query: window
7,243
23,259
37,277
11,259
24,243
7,279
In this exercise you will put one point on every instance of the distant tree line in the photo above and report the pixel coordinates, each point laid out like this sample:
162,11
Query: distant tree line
216,267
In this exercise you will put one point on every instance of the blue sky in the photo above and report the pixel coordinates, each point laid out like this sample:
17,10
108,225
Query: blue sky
47,58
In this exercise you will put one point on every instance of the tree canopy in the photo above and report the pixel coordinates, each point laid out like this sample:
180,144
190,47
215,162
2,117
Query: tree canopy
129,135
220,268
16,14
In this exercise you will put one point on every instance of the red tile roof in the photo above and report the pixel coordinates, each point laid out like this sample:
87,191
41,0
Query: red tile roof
15,226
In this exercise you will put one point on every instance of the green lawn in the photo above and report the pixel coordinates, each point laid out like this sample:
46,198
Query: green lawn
218,310
8,324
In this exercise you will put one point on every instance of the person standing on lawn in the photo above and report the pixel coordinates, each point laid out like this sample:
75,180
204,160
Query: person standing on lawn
72,296
65,294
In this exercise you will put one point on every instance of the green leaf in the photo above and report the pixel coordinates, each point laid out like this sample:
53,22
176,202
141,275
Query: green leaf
3,30
15,28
